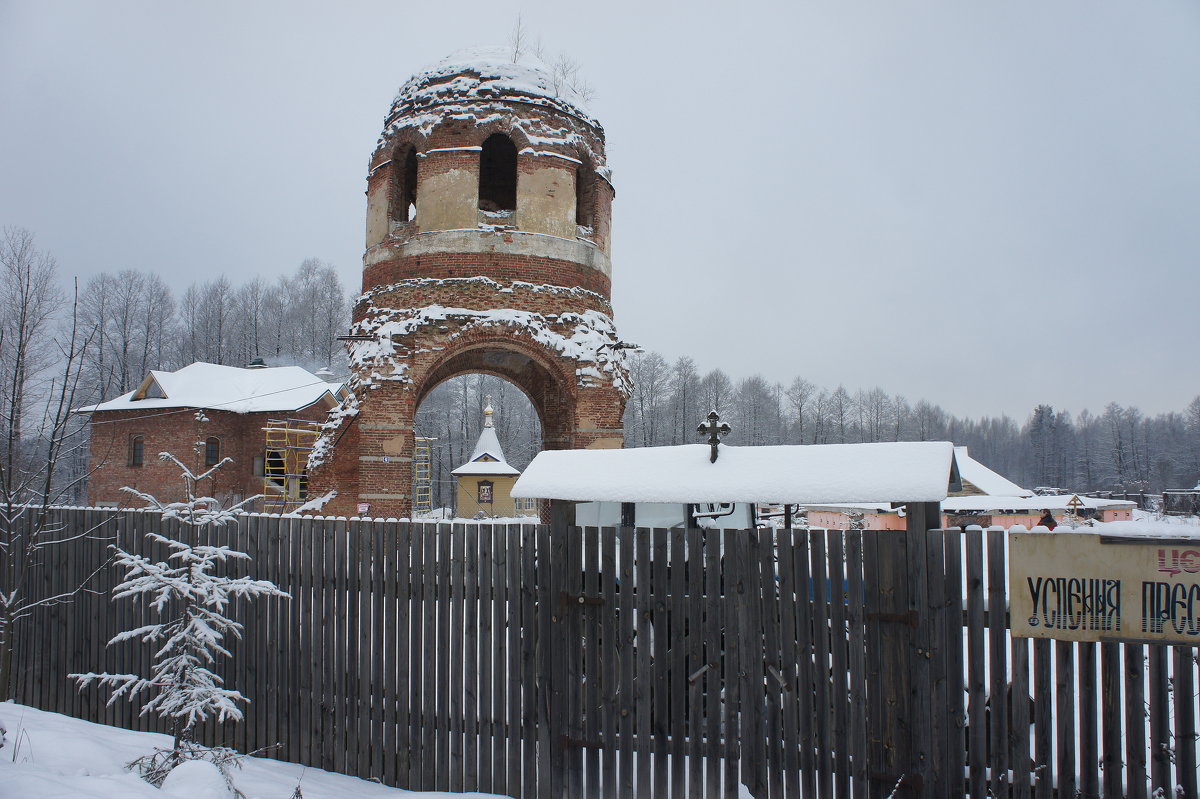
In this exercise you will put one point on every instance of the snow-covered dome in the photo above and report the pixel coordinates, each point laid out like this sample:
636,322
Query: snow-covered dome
489,74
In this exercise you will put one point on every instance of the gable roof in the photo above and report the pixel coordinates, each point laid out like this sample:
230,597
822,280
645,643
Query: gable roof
225,388
488,456
986,480
821,473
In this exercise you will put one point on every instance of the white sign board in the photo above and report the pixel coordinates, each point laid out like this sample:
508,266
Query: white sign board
1087,587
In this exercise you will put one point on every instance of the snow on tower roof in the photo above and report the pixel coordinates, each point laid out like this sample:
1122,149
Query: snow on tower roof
985,479
224,388
488,457
910,471
486,74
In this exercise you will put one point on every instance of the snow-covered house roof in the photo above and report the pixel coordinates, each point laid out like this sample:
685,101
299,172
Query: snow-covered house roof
911,471
986,480
225,388
488,457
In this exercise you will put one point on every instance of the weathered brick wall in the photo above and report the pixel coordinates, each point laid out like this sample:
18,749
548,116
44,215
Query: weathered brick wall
178,431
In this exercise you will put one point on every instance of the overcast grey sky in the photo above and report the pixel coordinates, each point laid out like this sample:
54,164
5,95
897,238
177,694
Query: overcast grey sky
988,205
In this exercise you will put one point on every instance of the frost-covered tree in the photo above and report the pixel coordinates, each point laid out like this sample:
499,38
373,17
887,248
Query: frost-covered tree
191,596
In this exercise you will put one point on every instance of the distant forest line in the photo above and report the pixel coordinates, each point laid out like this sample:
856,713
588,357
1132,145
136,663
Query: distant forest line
131,322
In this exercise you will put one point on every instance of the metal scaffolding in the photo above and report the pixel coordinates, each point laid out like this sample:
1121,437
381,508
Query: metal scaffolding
422,477
285,463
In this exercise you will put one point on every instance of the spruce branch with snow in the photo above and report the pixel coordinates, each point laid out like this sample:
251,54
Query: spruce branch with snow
191,596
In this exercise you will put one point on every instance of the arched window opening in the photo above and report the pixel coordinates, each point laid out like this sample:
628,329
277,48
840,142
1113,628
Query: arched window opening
408,198
585,196
403,201
137,447
498,174
212,451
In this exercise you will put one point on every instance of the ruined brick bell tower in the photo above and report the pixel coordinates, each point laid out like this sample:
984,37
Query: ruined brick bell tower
488,229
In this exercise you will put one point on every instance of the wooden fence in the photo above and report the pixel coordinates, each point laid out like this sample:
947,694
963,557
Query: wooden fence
635,663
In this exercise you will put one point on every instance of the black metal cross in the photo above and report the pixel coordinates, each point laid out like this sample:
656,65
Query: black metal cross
714,431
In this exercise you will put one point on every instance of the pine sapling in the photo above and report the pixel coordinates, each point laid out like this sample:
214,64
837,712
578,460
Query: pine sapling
191,598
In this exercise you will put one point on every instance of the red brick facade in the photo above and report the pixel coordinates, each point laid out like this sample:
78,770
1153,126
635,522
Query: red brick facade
452,286
240,437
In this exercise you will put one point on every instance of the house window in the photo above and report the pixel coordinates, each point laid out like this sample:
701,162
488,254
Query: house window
485,492
498,174
212,451
136,449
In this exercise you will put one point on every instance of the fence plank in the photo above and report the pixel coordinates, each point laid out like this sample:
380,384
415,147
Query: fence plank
734,570
998,695
610,666
839,693
513,648
714,650
1161,745
821,662
627,704
856,622
502,734
807,674
432,656
1043,715
1110,695
976,668
1089,722
1019,710
591,662
937,608
455,673
789,661
1135,720
676,686
1064,706
470,687
1185,719
529,643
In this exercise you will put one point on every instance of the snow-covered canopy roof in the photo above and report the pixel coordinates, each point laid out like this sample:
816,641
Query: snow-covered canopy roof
912,471
225,388
488,457
488,74
985,479
1028,504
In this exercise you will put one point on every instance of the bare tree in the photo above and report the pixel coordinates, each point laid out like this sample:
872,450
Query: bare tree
37,431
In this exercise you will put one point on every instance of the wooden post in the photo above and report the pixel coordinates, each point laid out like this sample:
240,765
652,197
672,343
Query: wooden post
897,613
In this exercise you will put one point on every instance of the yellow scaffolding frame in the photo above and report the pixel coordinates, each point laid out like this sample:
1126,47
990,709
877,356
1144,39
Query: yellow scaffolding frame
422,476
288,443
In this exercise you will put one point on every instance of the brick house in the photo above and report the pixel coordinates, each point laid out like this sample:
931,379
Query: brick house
201,414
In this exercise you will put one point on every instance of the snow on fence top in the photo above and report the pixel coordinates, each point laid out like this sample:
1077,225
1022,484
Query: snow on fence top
224,388
822,473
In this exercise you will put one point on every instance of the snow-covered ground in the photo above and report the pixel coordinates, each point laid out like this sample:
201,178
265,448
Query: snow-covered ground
50,756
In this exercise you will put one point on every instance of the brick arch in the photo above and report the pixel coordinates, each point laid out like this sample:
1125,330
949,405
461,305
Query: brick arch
452,133
524,364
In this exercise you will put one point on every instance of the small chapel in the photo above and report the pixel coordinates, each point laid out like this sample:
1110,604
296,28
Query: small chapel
485,481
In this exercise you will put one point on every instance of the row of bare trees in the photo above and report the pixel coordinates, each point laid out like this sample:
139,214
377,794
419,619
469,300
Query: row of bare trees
1118,449
140,325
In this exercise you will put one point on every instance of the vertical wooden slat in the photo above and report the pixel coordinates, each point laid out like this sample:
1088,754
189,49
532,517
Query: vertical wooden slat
610,666
529,665
789,661
940,659
658,689
432,657
471,658
1019,704
954,754
855,621
1089,722
997,612
393,658
592,678
455,673
372,696
1185,719
734,577
487,655
627,704
326,577
1135,720
549,757
1043,713
839,693
503,736
677,664
346,615
512,646
442,691
1064,708
1110,696
976,668
807,674
821,634
411,594
1161,744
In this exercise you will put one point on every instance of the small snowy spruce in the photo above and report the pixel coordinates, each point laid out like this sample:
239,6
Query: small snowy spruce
192,599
